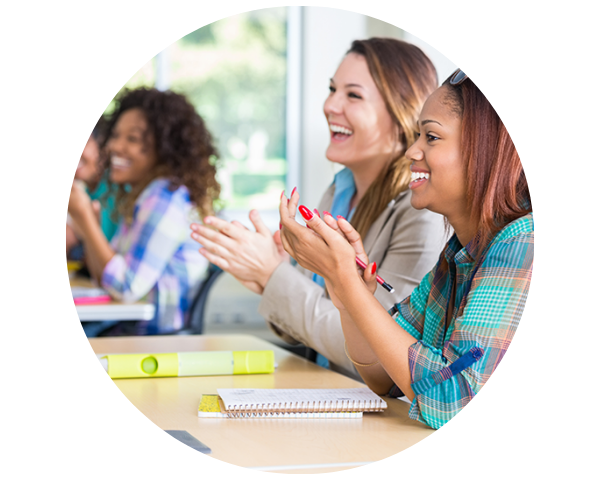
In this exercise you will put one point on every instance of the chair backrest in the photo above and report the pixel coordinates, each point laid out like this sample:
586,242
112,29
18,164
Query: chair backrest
195,321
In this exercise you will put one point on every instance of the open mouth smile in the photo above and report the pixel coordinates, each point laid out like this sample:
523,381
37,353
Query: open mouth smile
417,179
340,133
119,162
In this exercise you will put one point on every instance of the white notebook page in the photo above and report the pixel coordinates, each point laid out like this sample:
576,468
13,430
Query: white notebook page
273,398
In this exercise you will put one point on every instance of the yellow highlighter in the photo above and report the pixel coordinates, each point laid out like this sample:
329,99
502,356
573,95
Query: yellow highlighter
188,364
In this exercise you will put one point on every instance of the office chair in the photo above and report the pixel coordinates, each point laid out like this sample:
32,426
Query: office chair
310,355
195,321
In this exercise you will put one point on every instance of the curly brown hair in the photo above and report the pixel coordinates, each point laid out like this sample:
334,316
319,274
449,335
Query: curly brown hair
184,147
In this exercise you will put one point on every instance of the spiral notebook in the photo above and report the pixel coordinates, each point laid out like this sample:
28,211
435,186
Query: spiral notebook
290,403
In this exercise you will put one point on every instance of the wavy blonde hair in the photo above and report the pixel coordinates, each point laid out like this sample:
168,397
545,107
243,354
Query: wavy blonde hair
405,77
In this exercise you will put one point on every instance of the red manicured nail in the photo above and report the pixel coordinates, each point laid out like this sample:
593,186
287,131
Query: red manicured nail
279,225
281,196
339,216
325,212
293,192
317,212
373,268
305,212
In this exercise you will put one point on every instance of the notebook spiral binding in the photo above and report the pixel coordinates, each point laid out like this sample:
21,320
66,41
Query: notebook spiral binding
275,409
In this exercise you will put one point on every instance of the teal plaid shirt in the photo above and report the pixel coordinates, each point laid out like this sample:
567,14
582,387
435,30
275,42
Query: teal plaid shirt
449,367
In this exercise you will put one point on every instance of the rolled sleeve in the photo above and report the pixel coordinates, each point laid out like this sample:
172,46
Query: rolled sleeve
439,394
441,391
114,277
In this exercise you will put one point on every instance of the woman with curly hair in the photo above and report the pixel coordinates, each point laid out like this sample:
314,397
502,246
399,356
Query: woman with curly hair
160,154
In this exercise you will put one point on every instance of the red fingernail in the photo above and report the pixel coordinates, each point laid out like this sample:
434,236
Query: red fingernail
279,225
339,216
305,212
373,268
281,196
293,192
317,212
325,212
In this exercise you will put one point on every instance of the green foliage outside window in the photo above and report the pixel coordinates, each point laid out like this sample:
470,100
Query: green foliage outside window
234,73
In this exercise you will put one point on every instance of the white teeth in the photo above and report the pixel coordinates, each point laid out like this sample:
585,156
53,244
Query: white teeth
418,175
118,161
339,129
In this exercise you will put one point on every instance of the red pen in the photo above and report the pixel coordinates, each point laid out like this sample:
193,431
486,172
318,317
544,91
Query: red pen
380,280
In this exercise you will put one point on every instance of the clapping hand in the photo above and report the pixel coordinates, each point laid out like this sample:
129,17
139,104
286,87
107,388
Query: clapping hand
250,256
329,248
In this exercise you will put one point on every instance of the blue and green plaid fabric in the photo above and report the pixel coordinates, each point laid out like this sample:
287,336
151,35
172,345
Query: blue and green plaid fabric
449,367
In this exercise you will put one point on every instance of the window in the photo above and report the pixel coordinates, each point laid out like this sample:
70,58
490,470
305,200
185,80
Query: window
234,71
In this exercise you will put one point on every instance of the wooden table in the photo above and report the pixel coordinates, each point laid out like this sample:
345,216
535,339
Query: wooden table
113,310
277,445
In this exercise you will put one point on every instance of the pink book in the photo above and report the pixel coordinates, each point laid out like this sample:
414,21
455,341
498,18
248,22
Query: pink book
88,296
90,300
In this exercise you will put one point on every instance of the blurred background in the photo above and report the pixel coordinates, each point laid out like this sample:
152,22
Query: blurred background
259,80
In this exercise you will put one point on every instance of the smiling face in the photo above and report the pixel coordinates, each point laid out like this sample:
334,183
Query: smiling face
439,181
132,151
87,169
362,131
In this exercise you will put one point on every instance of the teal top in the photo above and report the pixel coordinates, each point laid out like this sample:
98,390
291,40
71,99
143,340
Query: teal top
450,363
345,188
107,206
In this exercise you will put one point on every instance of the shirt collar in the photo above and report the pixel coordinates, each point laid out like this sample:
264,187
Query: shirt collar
456,252
345,188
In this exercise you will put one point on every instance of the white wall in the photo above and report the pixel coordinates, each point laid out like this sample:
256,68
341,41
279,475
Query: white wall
442,64
328,34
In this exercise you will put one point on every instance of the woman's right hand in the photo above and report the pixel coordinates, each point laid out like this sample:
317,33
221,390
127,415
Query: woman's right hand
251,257
328,249
345,228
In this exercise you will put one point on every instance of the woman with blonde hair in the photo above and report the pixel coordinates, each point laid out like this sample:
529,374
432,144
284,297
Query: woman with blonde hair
374,100
450,333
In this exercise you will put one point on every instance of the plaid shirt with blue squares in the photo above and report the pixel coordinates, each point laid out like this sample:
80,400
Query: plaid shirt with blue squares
449,365
156,260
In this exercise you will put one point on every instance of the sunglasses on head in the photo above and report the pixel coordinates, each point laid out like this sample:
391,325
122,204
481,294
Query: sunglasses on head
458,77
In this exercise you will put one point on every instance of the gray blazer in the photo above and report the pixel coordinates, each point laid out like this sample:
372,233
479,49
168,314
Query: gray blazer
405,243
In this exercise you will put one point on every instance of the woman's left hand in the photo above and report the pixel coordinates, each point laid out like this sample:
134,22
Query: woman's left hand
251,257
321,249
79,202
